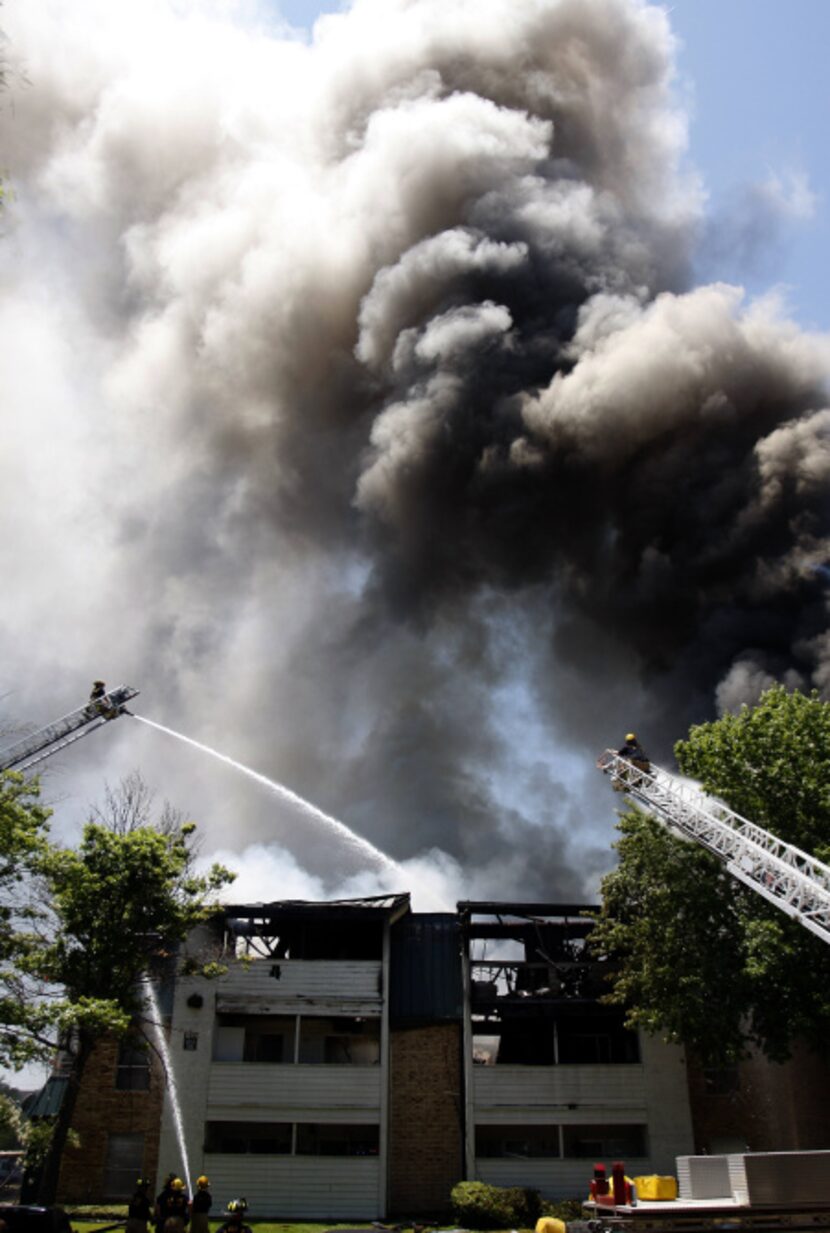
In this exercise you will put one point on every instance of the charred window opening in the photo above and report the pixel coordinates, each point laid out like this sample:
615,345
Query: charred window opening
596,1037
535,989
283,937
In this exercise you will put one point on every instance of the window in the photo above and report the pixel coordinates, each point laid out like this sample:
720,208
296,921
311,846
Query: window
485,1049
340,1041
517,1142
334,1041
323,1139
514,1042
132,1069
254,1038
596,1038
275,1139
620,1142
124,1163
249,1138
264,1047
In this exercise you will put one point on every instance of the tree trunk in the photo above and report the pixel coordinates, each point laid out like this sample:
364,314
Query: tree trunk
48,1186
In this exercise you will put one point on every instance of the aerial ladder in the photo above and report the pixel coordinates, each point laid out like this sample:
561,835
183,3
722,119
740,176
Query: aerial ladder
31,750
796,883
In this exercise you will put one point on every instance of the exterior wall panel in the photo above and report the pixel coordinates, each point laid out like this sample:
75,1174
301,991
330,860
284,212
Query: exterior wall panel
670,1132
310,1087
329,980
528,1088
298,1187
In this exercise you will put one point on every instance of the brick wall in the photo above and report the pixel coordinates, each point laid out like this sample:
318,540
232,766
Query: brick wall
102,1110
775,1107
425,1118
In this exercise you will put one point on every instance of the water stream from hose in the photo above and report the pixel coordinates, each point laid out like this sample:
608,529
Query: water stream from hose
360,846
157,1028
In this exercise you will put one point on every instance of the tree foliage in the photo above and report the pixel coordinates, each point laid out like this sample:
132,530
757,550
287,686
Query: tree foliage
770,763
697,956
24,1022
86,925
121,901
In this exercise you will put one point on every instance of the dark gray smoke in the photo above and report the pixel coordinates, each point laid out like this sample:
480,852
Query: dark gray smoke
414,471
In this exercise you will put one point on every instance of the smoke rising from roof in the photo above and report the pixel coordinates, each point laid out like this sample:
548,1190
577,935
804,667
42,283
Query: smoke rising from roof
361,410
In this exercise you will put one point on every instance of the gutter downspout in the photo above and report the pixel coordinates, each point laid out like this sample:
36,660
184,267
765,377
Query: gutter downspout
383,1182
467,1071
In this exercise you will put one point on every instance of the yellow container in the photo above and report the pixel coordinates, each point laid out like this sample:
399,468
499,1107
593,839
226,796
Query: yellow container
549,1224
656,1187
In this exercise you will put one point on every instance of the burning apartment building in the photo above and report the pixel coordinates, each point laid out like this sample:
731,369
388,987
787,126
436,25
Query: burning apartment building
357,1059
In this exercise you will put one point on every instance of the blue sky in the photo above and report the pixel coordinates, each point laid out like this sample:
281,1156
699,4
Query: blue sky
757,70
754,73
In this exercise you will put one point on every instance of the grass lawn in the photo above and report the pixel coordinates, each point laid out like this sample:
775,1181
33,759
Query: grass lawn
259,1226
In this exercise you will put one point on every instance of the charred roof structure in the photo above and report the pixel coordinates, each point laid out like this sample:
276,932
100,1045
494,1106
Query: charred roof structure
534,987
297,929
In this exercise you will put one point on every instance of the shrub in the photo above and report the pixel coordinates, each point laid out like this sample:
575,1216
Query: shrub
479,1206
563,1209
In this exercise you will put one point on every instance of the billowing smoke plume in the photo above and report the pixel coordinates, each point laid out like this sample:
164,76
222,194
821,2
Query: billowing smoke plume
362,412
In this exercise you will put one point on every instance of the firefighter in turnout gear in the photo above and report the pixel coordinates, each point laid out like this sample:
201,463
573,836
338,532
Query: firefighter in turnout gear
140,1207
633,751
172,1204
235,1223
200,1205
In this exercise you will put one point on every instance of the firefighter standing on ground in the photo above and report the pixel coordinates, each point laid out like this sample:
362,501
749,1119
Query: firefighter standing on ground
172,1204
140,1208
200,1205
234,1224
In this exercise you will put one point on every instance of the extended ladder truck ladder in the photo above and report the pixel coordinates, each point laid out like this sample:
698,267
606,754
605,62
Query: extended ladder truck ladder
27,752
796,883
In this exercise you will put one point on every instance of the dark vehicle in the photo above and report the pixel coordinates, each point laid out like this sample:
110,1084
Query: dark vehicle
22,1218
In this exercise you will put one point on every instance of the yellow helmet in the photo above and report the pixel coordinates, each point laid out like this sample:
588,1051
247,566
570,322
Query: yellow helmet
202,1182
631,736
177,1184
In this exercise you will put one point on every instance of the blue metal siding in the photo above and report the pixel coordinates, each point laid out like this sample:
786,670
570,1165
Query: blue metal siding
425,969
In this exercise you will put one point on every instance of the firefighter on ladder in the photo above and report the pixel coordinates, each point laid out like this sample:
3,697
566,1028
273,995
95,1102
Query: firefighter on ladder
634,753
638,759
100,703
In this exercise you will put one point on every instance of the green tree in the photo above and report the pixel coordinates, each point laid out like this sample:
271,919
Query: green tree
80,928
119,904
771,763
697,956
24,1020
